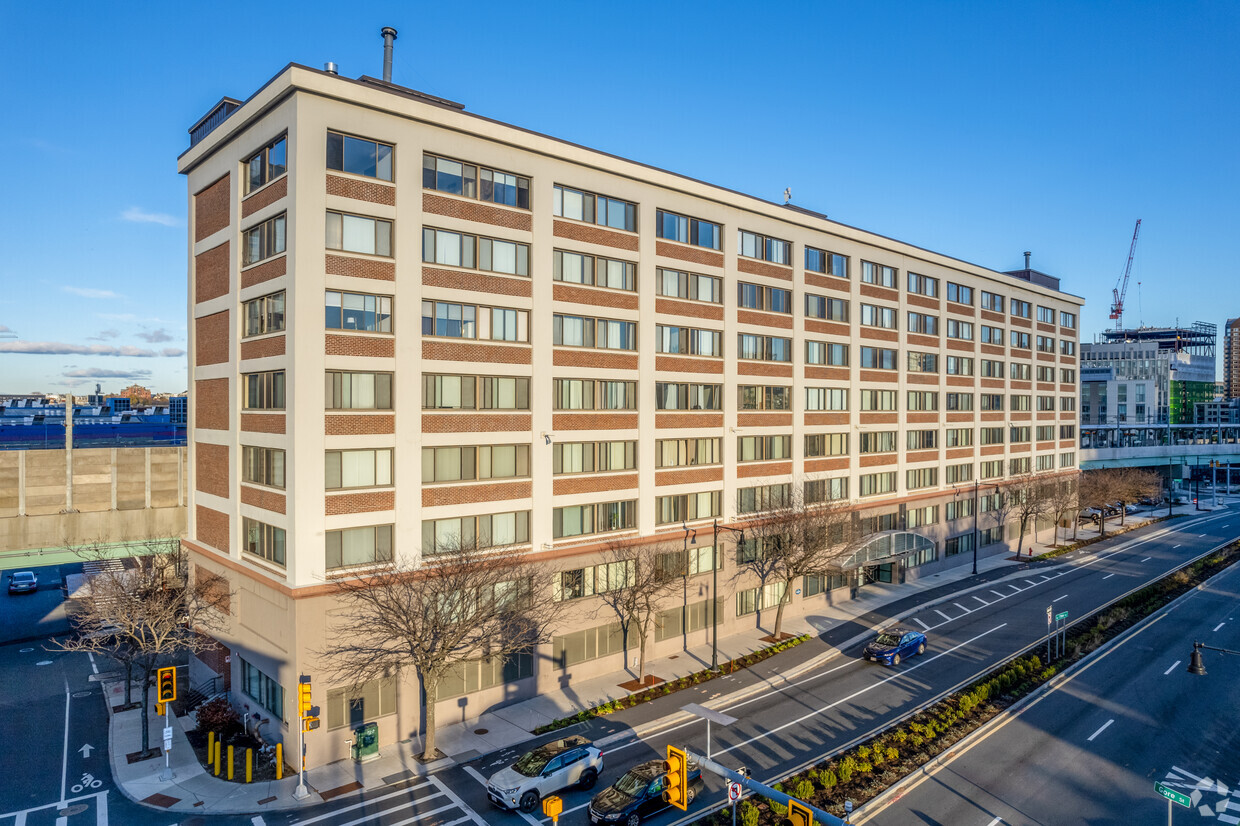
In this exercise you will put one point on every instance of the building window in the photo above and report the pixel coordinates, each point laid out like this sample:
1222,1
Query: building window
1046,374
266,165
578,268
1020,309
992,302
1046,315
358,311
1067,375
879,358
1046,344
580,583
763,498
923,400
960,329
1046,403
923,324
588,457
923,285
828,353
957,509
687,230
688,341
687,452
1020,371
674,396
826,398
1067,320
758,297
1018,466
992,335
882,441
580,520
958,545
359,156
686,506
1067,431
263,391
262,466
992,401
959,401
1020,340
992,436
455,249
262,540
594,209
598,333
1045,462
959,437
872,484
826,444
446,320
764,248
873,316
588,644
455,464
878,274
826,490
959,473
922,439
369,701
358,546
1020,401
959,293
263,315
357,233
763,397
587,394
359,391
827,263
486,531
470,181
763,348
263,241
358,468
872,400
1067,459
923,362
763,448
1019,434
475,392
992,369
262,689
689,286
1066,347
828,309
959,366
926,477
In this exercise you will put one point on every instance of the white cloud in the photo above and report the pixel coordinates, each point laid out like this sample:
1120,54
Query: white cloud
89,292
155,336
6,332
57,348
138,215
99,373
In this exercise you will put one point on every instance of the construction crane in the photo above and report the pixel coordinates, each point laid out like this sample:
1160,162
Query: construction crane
1121,286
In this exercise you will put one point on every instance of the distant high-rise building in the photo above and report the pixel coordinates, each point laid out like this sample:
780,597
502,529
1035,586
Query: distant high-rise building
1147,376
1231,358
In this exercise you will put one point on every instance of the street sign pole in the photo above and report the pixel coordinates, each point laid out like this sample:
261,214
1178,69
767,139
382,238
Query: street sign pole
1048,634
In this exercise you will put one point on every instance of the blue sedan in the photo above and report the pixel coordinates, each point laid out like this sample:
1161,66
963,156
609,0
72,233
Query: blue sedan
894,644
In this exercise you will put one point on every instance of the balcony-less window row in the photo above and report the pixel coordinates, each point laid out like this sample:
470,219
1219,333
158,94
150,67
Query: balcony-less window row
582,520
1020,401
263,391
878,274
763,498
588,394
263,540
1066,347
469,462
262,466
263,241
475,392
826,353
358,311
1046,462
991,401
685,506
922,362
1020,371
872,484
683,396
358,468
992,335
959,473
922,439
992,369
591,457
826,490
878,400
599,333
826,398
689,341
992,302
827,263
493,530
359,391
758,297
594,579
1020,309
1067,319
1019,340
472,181
926,325
763,348
926,477
1019,466
874,316
959,293
882,441
456,249
1045,432
686,452
923,400
594,209
578,268
763,448
763,397
991,436
959,401
764,248
358,546
959,437
1046,315
263,315
689,286
686,230
267,164
359,156
358,233
923,285
1045,344
441,318
879,358
828,309
960,329
826,444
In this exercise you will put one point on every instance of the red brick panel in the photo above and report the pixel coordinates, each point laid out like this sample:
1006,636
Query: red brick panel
594,421
1046,416
360,345
962,346
268,500
827,282
961,381
764,420
921,418
961,309
825,419
211,474
874,291
476,281
470,210
764,319
1046,328
877,461
992,450
922,456
879,335
579,483
878,418
697,255
959,417
262,347
1046,446
1022,385
749,471
375,500
1067,443
594,296
441,350
819,465
359,190
996,384
828,373
211,337
991,350
266,196
595,235
923,341
763,268
211,405
470,421
213,529
359,424
688,420
1017,321
690,476
959,453
211,273
265,271
996,416
211,209
921,378
1021,415
597,359
921,301
762,368
262,422
993,317
372,268
829,328
879,376
1046,357
695,309
216,657
433,497
679,364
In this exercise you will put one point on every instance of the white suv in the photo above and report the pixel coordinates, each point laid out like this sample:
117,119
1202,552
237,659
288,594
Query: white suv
573,761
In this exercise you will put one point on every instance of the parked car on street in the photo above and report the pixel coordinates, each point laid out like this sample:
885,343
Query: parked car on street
571,761
894,644
21,582
638,794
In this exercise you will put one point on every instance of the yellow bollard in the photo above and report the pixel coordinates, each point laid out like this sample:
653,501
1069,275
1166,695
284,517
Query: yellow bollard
249,765
217,758
210,745
279,761
230,762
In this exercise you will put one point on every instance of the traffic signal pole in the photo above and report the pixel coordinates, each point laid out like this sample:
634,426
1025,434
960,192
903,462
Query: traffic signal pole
706,764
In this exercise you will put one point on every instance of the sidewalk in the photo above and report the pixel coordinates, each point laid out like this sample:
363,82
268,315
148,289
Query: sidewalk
834,628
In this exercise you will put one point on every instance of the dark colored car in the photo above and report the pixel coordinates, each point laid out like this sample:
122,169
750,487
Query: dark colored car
894,644
638,794
23,581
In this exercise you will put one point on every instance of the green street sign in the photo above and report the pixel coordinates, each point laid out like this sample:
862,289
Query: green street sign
1061,616
1173,795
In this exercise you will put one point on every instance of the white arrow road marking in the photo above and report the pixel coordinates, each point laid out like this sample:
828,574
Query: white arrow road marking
86,749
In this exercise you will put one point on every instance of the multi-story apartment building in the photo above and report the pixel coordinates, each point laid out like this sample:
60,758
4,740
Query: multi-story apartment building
1231,359
410,324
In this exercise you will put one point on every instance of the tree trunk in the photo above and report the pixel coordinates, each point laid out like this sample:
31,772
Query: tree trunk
128,682
146,711
641,653
1123,512
430,690
1020,542
1102,524
779,612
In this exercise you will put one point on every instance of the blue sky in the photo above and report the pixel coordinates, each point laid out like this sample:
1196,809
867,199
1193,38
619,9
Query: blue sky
978,130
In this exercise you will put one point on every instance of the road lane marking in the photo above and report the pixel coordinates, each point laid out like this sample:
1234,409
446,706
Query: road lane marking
1031,582
995,822
999,595
93,666
924,627
897,675
1200,535
533,821
941,614
1101,729
1172,668
962,608
979,599
64,760
373,800
1173,547
1220,625
1108,576
1056,599
1147,559
439,784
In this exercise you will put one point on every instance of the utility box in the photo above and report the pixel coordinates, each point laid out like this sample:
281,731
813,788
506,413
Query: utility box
366,742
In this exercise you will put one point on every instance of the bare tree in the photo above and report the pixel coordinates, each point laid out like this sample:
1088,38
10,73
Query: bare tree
464,603
1004,507
1097,489
1030,502
1062,500
638,580
144,611
1133,484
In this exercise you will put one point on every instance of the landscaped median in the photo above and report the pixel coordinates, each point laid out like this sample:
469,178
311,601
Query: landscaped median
866,770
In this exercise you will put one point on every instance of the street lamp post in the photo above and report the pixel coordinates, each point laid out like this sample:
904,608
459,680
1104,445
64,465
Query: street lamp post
1195,664
714,592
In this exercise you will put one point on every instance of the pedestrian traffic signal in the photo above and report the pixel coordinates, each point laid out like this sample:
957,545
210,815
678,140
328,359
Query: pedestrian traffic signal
166,681
309,723
303,699
799,814
676,778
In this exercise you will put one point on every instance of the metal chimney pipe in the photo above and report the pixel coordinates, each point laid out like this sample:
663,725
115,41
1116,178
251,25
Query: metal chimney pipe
331,68
1027,254
389,36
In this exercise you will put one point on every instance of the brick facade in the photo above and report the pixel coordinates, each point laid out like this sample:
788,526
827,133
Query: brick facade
470,210
694,309
478,282
763,268
273,268
696,255
594,296
211,470
361,189
764,420
758,469
259,348
262,422
471,421
211,212
211,273
594,421
212,335
688,364
703,421
213,528
587,483
764,368
455,350
264,197
355,267
689,476
357,344
211,404
574,231
359,424
780,320
268,500
376,500
594,359
494,491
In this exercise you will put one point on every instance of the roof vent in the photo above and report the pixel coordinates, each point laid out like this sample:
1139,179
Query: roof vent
331,68
389,36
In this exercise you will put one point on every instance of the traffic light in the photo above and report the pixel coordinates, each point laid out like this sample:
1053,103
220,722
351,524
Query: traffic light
303,698
676,778
309,723
166,681
799,814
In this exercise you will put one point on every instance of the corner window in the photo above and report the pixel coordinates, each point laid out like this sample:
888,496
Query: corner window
266,165
359,156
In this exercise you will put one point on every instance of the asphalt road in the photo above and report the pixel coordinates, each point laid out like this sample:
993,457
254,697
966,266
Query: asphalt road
1091,750
38,615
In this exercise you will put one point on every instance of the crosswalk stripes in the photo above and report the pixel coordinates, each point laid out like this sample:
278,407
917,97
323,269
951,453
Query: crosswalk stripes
426,801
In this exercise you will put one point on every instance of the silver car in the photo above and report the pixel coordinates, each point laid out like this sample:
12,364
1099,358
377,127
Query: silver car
572,761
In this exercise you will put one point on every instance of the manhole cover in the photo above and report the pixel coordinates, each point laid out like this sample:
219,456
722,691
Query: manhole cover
480,731
70,811
80,694
44,662
26,650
